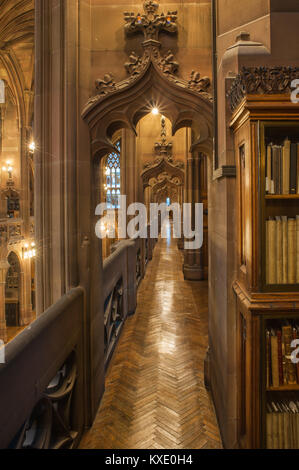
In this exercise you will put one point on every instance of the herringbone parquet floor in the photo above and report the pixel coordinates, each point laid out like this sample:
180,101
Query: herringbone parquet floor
155,396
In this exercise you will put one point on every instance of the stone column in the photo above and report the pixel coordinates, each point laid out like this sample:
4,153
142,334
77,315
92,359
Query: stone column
193,259
26,314
3,271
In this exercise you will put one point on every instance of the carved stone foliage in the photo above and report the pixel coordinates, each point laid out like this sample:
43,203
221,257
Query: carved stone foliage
201,85
168,64
150,23
261,80
50,424
135,64
105,85
113,318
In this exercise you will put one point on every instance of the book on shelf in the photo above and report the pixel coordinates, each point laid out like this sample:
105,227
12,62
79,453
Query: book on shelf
280,369
282,422
282,250
282,168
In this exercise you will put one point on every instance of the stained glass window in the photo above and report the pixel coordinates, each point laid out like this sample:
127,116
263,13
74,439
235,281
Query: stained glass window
113,181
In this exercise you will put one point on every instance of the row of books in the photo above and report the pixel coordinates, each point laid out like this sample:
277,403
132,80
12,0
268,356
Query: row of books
281,369
282,250
282,168
282,421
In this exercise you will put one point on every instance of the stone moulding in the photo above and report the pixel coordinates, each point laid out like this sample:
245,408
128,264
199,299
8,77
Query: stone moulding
261,80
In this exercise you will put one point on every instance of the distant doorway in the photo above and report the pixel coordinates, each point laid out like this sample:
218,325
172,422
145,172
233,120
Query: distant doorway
12,291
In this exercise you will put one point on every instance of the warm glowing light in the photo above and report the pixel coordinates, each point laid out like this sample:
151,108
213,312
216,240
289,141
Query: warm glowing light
155,111
8,168
29,253
32,146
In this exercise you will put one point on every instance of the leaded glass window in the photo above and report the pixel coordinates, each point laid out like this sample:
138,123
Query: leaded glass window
113,180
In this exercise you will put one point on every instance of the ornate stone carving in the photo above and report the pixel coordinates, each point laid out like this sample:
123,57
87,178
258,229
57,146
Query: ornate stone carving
15,231
188,99
3,235
168,64
135,64
150,23
113,318
199,84
261,80
105,85
163,169
50,424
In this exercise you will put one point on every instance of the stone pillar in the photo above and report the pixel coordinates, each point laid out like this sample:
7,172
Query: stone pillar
193,259
55,134
26,314
3,271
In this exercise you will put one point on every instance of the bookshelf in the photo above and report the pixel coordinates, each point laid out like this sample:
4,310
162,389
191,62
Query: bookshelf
265,302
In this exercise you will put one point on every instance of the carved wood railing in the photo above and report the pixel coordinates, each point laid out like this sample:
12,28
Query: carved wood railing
123,272
138,267
113,318
41,393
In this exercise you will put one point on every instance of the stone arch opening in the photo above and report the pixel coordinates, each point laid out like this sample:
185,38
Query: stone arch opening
13,291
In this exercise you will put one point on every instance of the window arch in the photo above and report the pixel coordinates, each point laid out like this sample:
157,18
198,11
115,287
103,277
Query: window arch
2,91
113,178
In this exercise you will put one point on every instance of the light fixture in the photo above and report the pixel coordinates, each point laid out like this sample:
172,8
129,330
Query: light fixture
32,147
29,252
8,168
155,111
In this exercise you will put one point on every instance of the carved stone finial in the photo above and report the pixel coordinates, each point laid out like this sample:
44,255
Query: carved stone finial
151,23
164,148
151,7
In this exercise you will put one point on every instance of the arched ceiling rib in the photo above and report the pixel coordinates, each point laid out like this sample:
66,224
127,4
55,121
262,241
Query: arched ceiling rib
16,52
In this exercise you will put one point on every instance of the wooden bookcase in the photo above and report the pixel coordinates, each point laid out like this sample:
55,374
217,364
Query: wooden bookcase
257,121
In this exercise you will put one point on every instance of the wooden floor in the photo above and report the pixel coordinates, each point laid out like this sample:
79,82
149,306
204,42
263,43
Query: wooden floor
155,396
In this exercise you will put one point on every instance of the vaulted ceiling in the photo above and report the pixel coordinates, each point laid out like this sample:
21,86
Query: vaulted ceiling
17,53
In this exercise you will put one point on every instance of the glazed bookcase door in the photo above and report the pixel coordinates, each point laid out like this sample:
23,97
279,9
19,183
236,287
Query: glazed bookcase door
274,205
282,394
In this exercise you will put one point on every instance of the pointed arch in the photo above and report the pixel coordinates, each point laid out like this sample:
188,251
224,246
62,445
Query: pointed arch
124,104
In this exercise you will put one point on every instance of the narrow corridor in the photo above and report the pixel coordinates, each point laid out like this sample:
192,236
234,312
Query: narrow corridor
155,396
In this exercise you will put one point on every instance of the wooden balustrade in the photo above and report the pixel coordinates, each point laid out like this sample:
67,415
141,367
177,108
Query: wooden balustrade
123,271
42,386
